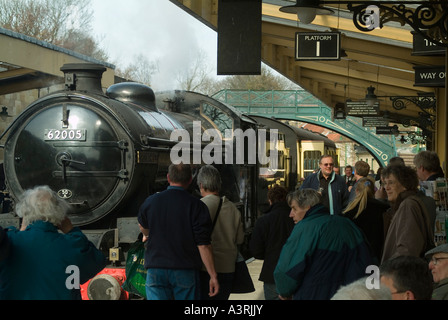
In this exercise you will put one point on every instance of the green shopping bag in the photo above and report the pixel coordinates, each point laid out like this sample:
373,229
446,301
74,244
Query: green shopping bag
135,270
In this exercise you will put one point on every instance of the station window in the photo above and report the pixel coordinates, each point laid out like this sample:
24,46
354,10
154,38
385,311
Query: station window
310,162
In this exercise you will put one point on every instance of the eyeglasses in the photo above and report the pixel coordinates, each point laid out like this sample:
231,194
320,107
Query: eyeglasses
328,164
436,260
389,183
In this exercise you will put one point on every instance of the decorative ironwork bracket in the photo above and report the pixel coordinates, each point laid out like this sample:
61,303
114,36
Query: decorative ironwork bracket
426,118
430,18
427,105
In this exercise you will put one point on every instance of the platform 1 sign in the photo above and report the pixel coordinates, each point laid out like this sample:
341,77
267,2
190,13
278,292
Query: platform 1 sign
318,46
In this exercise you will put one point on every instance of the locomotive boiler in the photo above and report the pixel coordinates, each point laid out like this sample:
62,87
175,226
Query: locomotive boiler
105,152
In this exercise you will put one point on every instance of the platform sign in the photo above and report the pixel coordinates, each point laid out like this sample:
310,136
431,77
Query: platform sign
423,47
430,76
362,109
318,46
374,122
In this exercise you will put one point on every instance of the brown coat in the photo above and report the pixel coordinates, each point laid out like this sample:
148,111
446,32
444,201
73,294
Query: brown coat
409,231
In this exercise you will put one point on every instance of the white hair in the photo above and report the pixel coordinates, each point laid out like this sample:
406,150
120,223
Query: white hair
41,203
304,197
358,290
210,178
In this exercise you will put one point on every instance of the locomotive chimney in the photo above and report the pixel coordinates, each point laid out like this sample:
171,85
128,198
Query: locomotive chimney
83,76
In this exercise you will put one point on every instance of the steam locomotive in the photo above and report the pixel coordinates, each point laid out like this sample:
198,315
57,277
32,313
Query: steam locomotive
104,153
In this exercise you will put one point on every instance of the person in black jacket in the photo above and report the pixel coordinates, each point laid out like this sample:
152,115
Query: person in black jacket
269,235
177,227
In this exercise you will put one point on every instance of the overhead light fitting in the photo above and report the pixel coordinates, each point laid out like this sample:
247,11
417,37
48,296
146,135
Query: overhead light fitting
339,111
4,113
307,10
371,97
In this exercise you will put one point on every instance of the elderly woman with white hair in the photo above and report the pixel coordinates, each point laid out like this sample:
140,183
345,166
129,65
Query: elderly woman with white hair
41,203
358,290
41,259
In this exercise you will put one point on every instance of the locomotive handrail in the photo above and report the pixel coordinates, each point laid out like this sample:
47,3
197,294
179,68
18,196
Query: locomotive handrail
147,139
120,173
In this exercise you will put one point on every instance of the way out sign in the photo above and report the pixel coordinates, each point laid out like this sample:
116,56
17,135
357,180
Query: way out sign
318,46
430,76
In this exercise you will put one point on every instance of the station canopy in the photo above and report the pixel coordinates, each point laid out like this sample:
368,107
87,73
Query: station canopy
382,58
27,63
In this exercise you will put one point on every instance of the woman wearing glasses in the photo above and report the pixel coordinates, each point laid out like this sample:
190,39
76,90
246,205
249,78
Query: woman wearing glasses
410,231
438,264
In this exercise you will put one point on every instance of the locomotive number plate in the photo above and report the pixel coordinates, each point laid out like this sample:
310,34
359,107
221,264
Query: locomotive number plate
65,135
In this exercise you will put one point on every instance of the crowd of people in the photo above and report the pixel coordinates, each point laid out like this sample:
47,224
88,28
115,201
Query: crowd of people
316,242
390,225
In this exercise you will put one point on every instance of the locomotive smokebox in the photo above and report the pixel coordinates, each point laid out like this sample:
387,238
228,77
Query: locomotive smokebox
83,76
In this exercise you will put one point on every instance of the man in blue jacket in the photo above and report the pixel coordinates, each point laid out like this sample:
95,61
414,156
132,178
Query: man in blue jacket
43,263
322,253
178,230
331,186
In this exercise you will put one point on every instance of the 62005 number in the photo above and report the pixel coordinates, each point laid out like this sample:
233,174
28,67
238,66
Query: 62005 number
65,135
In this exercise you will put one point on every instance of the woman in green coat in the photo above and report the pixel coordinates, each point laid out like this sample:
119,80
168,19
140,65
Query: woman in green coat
43,263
